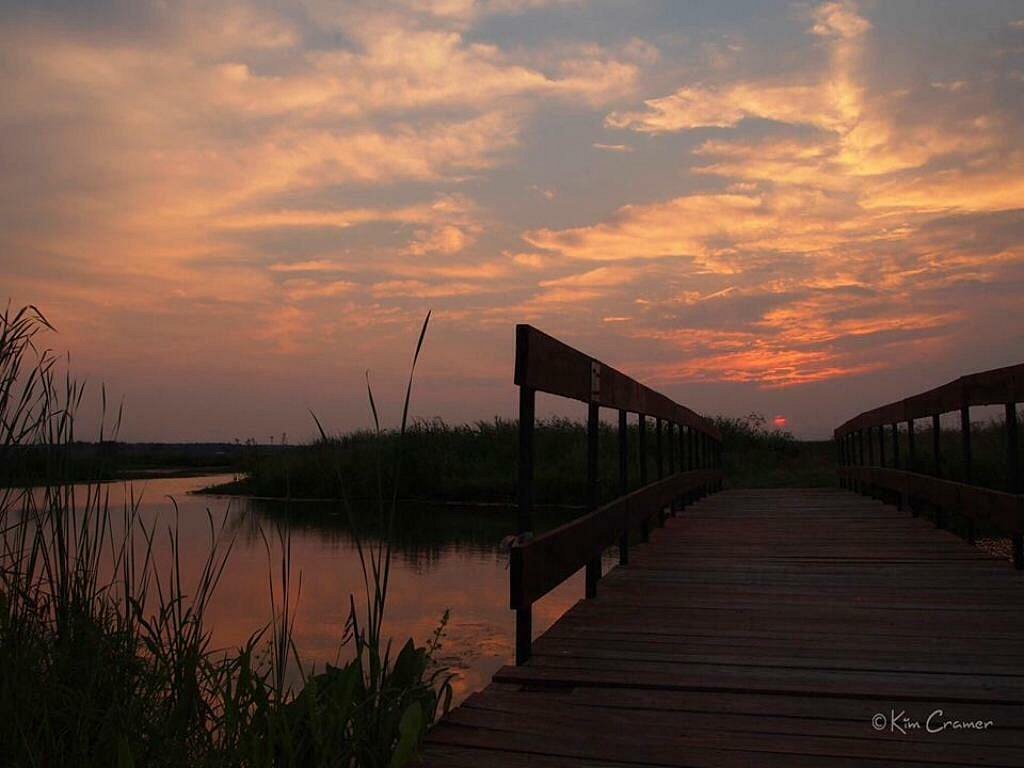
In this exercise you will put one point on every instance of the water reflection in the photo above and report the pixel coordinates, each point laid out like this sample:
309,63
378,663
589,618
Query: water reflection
445,559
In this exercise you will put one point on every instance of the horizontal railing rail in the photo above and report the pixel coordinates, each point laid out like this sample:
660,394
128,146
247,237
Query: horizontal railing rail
863,466
539,564
996,387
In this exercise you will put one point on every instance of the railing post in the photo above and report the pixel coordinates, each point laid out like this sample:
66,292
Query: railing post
911,461
593,428
524,613
641,435
682,448
881,445
839,460
857,452
871,447
936,444
965,440
1013,484
670,437
623,482
895,445
694,459
658,457
911,450
1013,478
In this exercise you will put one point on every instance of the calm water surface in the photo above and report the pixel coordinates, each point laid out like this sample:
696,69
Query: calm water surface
444,560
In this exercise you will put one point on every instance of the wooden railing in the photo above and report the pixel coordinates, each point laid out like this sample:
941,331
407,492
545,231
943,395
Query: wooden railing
540,563
863,469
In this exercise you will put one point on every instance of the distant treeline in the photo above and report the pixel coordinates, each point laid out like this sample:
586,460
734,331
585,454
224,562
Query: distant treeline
478,462
112,460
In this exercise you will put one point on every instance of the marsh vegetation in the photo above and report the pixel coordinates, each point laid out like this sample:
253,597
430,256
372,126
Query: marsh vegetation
105,646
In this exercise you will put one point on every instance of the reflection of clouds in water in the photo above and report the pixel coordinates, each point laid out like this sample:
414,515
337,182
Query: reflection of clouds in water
446,560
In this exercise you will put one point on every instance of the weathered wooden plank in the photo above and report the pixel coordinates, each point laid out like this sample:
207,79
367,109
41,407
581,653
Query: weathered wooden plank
767,628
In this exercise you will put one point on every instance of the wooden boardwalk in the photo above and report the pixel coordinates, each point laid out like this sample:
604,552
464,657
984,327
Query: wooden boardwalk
768,628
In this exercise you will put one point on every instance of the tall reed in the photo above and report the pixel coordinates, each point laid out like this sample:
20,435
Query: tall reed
105,646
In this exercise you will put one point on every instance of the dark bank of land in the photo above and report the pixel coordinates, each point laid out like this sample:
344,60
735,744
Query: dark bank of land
111,460
478,462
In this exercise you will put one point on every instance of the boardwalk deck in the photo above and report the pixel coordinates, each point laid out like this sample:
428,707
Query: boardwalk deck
768,628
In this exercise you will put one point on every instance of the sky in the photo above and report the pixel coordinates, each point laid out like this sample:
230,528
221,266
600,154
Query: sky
231,210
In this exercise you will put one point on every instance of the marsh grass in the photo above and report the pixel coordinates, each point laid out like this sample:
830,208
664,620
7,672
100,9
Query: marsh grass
478,462
105,647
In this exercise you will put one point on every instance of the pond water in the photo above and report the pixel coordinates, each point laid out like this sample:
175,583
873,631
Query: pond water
444,559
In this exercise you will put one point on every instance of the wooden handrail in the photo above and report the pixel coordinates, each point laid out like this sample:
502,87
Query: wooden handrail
995,387
549,559
863,468
545,364
539,564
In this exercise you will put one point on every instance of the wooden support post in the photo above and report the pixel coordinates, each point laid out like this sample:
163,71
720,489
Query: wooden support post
911,447
1013,479
524,614
693,449
858,450
871,447
641,435
671,447
527,409
659,458
642,448
682,448
911,461
937,456
524,634
965,440
839,461
851,457
881,445
593,429
623,482
895,445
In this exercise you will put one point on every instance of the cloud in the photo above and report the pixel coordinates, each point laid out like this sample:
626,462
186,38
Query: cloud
838,19
832,208
802,206
300,289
